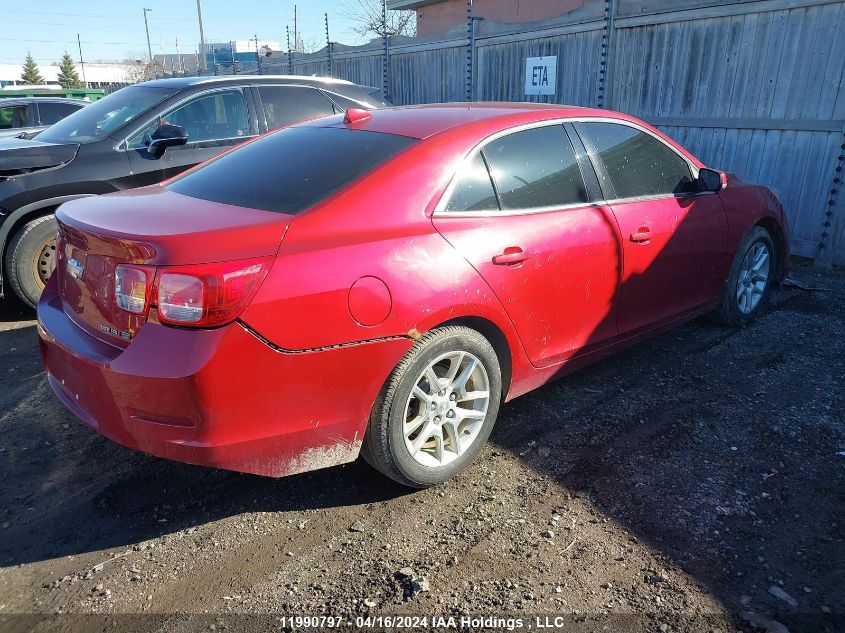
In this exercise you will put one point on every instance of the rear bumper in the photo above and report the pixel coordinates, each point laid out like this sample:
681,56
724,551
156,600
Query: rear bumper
220,398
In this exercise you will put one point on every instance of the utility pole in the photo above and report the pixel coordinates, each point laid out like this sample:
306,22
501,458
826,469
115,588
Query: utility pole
147,27
295,40
81,63
202,38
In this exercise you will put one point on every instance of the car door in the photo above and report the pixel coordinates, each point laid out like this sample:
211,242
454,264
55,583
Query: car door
284,105
673,235
545,246
215,120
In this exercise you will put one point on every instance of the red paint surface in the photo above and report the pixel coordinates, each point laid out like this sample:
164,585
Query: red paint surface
290,385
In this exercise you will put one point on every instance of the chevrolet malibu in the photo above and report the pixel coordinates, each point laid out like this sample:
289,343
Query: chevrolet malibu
379,283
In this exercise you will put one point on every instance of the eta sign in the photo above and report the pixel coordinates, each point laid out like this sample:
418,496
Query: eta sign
540,75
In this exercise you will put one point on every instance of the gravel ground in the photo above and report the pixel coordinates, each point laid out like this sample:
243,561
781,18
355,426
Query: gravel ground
695,482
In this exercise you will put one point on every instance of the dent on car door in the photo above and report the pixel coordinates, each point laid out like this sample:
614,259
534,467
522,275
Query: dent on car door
673,236
214,121
545,247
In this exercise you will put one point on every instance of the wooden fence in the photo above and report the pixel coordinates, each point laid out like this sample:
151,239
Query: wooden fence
749,86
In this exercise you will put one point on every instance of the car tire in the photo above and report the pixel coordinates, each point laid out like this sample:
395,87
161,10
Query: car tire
462,423
30,257
746,293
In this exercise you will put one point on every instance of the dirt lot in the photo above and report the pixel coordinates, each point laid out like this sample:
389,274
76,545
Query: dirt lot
676,487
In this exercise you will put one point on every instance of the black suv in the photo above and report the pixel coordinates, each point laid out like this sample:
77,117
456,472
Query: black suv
137,136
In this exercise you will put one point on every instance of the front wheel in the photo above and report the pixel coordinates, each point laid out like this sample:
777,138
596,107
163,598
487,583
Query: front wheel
750,280
31,258
437,408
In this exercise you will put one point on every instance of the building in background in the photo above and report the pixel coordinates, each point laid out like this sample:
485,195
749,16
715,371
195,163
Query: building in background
178,63
230,54
436,17
97,74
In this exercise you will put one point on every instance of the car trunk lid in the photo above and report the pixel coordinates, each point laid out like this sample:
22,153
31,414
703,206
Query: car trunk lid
147,227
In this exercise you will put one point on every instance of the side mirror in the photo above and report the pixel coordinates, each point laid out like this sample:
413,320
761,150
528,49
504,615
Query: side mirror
167,135
711,180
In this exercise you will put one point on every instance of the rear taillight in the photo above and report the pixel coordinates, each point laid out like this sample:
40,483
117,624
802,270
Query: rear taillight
207,295
200,295
132,286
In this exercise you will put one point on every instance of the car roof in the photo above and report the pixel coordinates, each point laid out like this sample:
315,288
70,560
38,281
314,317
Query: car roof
186,82
19,100
423,121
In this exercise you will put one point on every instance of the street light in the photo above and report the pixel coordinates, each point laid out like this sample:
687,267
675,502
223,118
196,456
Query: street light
147,27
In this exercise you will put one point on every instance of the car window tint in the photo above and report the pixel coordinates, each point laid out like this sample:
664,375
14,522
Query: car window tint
12,117
285,105
210,117
535,168
290,170
54,112
637,163
473,190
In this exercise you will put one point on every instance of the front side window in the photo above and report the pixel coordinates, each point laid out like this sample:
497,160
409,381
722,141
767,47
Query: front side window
13,117
213,116
51,113
473,188
291,170
106,115
535,168
637,164
285,105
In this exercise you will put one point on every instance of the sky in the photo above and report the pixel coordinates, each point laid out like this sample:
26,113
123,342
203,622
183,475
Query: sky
113,30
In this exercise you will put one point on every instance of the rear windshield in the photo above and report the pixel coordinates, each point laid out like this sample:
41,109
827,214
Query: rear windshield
291,170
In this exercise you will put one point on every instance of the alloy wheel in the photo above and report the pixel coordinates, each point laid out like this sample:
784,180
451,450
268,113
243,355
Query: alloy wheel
446,409
753,277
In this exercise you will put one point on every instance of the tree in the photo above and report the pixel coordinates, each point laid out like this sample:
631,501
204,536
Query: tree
366,19
30,74
138,69
68,77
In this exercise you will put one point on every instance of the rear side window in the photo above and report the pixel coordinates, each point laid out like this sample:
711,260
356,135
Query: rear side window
291,170
54,112
12,117
284,105
473,190
535,168
637,164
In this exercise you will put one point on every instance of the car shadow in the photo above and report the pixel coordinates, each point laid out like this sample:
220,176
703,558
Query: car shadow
13,309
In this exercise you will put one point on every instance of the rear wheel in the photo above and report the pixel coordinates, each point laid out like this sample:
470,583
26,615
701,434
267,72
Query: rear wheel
31,258
437,409
749,283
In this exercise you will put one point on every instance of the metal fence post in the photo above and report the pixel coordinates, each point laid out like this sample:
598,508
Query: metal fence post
470,50
386,58
832,227
606,57
328,45
290,53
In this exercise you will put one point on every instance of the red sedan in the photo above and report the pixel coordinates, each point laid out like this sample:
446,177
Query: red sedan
379,283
